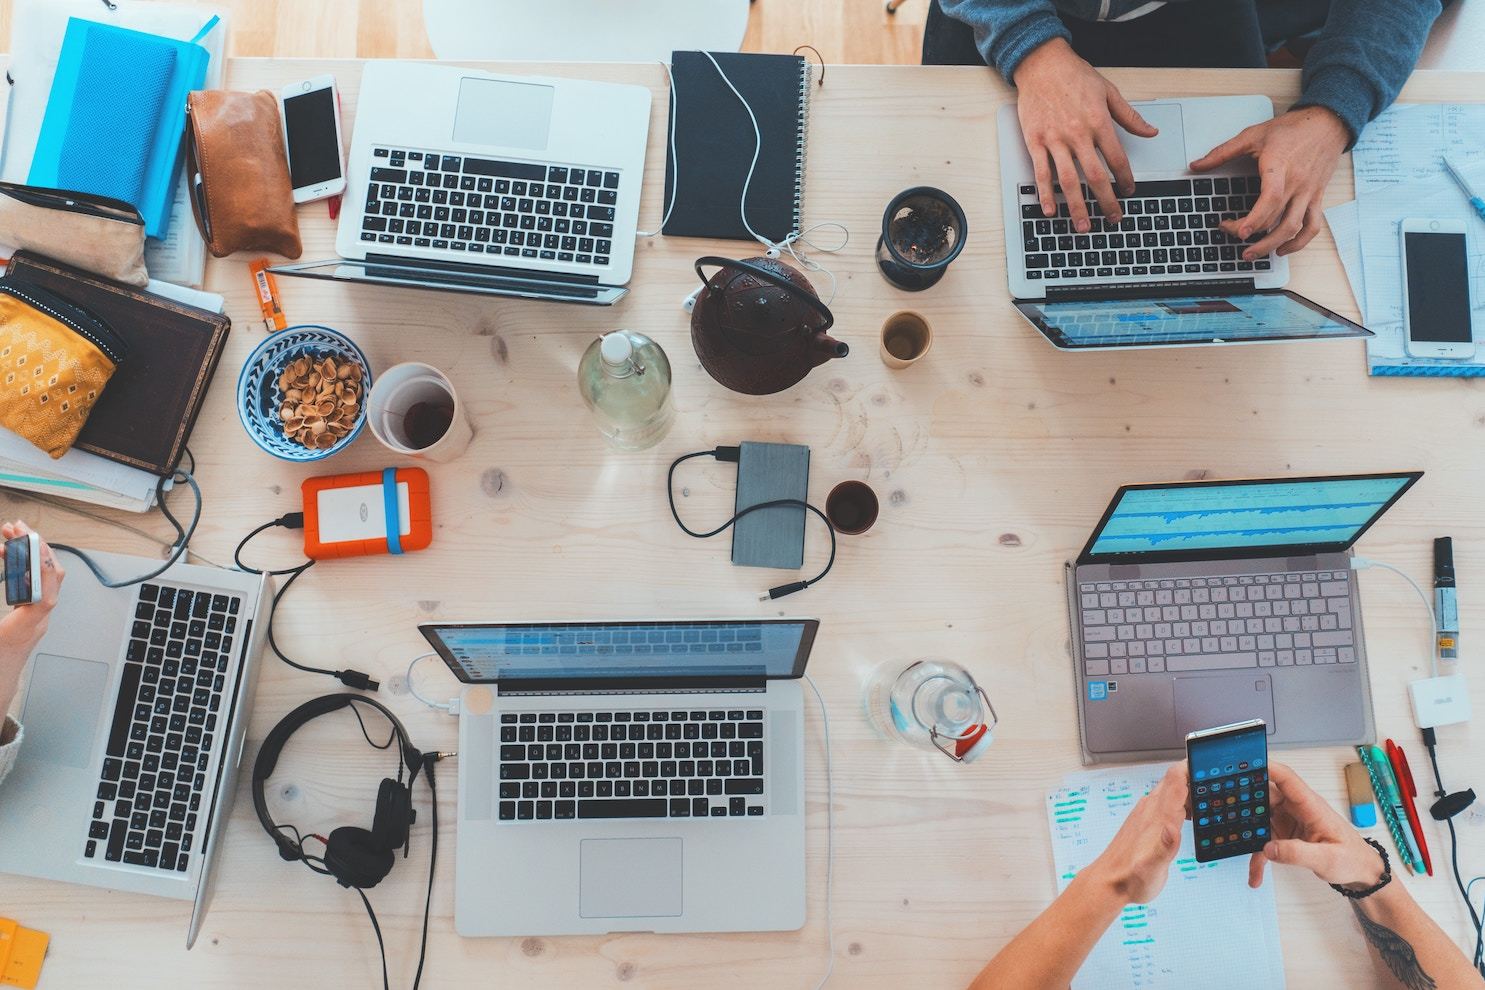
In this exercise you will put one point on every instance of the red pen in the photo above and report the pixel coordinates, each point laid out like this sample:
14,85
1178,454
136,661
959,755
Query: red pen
1404,775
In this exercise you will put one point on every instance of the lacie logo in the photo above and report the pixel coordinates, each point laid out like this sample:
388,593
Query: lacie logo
365,512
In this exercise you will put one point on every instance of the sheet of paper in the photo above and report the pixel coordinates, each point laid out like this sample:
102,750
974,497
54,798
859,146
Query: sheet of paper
1345,229
1207,928
74,473
36,40
1398,164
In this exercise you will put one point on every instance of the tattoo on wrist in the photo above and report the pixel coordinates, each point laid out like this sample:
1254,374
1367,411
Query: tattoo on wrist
1396,951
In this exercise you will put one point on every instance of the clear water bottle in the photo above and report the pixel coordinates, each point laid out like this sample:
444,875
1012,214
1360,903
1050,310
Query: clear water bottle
625,380
931,704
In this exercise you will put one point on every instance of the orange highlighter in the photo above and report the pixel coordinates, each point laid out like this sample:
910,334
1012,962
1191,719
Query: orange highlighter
1409,792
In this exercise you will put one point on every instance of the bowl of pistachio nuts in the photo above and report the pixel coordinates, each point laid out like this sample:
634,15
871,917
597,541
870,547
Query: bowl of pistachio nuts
301,395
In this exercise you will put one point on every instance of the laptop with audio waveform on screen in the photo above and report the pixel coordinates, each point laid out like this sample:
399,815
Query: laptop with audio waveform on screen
1203,603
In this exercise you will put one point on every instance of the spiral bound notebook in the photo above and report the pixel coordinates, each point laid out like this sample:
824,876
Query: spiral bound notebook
714,141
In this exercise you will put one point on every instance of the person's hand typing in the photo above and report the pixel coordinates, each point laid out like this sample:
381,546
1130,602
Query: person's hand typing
1068,112
1137,861
1297,154
1308,832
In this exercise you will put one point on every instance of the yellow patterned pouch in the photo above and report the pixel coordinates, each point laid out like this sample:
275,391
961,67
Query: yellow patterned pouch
55,359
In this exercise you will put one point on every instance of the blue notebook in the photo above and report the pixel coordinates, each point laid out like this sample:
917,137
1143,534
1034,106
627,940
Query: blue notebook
116,115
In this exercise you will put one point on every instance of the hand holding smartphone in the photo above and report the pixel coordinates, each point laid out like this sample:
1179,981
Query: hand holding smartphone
23,570
311,115
1228,769
1436,289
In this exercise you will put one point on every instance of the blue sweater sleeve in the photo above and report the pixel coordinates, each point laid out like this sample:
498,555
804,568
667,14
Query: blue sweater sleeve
1363,56
1006,31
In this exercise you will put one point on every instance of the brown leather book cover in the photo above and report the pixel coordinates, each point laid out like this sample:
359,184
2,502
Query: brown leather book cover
150,405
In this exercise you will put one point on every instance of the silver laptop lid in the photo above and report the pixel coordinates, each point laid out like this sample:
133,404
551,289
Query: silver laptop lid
1207,520
624,656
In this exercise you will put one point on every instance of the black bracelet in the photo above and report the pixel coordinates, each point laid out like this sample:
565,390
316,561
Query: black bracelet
1357,895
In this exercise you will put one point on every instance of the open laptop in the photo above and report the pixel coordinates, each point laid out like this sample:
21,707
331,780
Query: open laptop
509,185
629,776
1164,275
1203,603
135,709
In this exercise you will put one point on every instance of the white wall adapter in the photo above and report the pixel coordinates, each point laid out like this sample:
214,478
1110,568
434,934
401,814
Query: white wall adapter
1440,701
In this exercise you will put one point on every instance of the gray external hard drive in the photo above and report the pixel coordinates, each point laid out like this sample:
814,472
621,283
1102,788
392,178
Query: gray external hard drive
772,537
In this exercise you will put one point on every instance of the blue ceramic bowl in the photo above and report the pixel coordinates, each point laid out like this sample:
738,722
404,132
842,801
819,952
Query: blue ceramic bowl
258,395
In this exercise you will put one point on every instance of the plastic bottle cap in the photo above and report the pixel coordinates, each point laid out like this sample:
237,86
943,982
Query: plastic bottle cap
974,745
615,348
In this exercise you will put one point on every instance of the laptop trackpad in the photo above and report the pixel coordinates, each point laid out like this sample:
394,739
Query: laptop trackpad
1166,151
62,705
631,878
1205,702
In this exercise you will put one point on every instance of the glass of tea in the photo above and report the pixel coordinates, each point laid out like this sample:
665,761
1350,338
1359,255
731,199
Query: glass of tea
413,409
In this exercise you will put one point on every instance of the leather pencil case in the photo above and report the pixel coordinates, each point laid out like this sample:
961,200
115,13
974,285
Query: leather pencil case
238,172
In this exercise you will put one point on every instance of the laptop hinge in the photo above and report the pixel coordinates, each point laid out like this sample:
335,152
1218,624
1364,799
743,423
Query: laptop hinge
1151,290
630,685
527,274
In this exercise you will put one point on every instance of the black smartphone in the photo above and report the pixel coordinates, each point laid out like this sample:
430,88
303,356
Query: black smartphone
23,570
1229,789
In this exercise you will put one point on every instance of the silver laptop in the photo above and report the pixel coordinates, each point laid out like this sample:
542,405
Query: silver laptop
134,713
1203,603
1164,274
511,185
629,776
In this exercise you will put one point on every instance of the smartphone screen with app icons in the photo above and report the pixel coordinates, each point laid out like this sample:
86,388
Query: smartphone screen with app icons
1229,789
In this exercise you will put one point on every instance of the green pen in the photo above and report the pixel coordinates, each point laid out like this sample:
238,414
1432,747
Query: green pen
1389,798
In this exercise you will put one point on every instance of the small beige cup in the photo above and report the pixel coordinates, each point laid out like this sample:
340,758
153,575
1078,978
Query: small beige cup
906,337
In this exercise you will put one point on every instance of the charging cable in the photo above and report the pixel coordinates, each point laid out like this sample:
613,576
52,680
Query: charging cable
446,707
1362,563
731,455
774,249
829,840
183,534
357,679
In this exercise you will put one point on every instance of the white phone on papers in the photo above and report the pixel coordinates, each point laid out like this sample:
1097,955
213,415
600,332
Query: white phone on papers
1436,289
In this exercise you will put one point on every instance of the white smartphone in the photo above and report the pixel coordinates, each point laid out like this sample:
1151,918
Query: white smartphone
311,115
1436,289
23,570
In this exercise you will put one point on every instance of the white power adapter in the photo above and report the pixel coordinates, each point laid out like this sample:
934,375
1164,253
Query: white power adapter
1440,701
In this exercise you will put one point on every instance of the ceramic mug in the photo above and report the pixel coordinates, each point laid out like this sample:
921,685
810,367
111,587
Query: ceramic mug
414,410
906,337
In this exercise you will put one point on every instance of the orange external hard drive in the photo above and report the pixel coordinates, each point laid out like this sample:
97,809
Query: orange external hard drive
356,515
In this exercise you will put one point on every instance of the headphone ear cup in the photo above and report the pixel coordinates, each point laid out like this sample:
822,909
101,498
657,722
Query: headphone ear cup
353,857
393,814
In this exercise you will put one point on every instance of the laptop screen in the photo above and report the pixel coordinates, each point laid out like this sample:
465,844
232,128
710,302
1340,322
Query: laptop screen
1193,319
624,651
1206,519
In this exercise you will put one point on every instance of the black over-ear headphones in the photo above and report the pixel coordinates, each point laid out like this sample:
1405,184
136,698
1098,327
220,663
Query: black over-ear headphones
356,857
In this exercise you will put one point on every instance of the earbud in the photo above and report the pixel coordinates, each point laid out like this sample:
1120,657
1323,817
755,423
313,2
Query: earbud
689,303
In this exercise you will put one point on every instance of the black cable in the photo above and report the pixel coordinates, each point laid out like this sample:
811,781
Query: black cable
183,534
295,520
1430,742
730,454
381,946
428,760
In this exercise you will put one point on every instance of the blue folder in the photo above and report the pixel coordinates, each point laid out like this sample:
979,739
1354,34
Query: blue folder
116,115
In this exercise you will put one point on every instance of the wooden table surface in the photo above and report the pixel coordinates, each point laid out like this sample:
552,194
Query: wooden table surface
993,458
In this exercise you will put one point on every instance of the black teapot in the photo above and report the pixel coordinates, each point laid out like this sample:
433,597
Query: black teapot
758,326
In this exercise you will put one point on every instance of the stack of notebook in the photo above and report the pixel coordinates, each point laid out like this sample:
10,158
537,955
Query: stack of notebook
137,432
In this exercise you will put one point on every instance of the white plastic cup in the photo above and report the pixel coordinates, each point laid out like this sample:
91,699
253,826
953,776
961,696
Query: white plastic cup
403,386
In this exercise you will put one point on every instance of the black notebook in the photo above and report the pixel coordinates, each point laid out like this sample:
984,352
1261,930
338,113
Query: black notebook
714,141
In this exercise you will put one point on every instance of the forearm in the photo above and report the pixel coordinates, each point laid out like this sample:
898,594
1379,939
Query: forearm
1365,53
1049,952
1006,31
1408,948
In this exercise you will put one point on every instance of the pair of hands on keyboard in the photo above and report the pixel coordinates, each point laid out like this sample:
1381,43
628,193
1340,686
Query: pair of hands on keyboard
23,627
1068,112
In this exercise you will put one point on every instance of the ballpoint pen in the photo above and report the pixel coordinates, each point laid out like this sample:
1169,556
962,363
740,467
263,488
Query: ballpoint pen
1475,201
1408,791
1389,800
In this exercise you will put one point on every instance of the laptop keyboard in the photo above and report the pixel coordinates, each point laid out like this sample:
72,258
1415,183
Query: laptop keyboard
631,764
164,728
483,206
1170,227
1294,619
